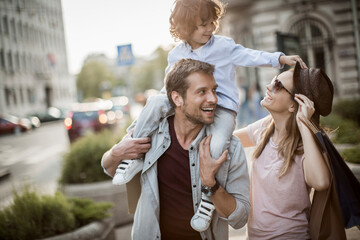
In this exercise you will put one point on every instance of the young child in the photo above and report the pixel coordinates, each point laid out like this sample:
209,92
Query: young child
194,22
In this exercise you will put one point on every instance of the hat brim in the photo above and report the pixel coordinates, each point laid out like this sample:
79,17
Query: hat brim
296,78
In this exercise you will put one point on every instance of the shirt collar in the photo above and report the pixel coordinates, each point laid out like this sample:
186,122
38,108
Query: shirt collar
164,127
208,43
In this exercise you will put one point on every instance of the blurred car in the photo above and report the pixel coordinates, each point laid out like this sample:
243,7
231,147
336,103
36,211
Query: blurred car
85,119
51,114
35,121
119,111
13,124
121,103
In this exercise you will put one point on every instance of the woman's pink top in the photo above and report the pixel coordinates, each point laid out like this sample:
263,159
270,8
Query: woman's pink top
279,206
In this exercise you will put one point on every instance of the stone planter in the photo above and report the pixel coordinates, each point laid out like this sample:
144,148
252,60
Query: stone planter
101,230
103,191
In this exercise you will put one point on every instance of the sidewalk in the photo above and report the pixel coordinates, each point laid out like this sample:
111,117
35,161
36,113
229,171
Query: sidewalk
124,233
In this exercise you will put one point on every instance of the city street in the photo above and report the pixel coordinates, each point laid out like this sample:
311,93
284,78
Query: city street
32,158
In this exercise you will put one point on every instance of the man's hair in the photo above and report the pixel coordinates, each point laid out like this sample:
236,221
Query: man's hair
176,79
185,12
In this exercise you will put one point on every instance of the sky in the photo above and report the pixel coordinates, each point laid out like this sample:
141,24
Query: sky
99,26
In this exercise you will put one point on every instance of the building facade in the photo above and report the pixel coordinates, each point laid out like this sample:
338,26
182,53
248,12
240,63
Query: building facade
33,60
325,33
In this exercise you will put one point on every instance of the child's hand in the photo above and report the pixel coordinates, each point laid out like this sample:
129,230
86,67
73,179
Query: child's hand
291,60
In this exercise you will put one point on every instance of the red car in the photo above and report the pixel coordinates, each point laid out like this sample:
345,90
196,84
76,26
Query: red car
81,123
12,124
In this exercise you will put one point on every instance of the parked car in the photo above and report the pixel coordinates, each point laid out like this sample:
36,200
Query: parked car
51,114
84,119
35,121
121,103
13,124
119,111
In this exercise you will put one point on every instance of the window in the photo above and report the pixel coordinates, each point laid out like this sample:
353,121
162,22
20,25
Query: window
21,95
2,59
10,62
315,42
13,29
17,60
7,96
20,29
6,25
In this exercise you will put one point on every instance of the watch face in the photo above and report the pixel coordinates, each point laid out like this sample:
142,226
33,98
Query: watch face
205,190
209,191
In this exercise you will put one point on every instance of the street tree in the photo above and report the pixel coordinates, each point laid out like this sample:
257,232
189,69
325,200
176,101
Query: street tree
93,79
151,74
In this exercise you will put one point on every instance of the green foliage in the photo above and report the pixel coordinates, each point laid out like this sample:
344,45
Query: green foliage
86,211
345,117
352,154
32,217
151,74
82,162
346,130
348,109
93,76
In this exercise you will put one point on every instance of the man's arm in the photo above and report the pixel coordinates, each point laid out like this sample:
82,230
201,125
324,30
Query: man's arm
233,205
127,148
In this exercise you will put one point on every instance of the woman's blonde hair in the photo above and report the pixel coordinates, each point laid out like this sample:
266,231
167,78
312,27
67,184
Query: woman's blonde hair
289,146
184,15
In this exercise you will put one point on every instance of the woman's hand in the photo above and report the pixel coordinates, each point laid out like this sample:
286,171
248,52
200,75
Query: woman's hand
291,60
305,111
208,165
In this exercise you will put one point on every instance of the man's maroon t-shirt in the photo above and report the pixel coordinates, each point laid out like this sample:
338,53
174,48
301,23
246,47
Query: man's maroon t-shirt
176,204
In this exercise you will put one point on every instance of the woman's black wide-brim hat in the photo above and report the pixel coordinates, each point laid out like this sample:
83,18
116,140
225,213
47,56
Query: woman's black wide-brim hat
317,86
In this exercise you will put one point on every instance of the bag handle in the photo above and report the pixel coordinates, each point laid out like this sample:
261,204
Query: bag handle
310,124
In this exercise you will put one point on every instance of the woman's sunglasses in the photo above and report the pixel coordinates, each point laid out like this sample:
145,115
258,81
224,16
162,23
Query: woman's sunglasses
277,85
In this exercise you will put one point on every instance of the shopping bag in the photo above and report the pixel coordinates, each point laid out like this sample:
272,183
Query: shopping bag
325,222
325,216
347,186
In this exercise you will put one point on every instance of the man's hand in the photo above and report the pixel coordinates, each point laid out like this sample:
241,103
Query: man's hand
131,148
127,148
208,165
291,60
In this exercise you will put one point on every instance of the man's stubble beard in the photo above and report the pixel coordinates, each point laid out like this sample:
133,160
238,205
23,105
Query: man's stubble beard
194,120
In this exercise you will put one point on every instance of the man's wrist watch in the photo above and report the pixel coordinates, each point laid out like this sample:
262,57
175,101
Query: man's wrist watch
210,191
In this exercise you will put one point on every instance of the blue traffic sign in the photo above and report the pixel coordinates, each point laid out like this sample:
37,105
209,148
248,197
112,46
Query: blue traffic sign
125,55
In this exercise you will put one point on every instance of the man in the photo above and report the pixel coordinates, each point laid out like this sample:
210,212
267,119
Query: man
178,164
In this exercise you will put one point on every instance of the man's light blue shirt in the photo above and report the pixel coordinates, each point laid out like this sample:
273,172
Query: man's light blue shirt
225,54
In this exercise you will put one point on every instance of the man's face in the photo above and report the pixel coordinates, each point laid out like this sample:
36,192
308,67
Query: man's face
200,101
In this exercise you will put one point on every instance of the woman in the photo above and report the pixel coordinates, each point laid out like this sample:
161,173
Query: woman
287,162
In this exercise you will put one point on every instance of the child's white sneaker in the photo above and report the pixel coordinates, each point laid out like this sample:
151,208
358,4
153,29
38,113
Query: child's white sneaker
126,170
202,218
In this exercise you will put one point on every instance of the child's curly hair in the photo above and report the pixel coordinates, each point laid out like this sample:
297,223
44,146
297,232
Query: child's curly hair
184,15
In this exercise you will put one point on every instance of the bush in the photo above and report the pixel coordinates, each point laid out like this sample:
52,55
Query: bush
86,210
346,130
348,109
82,162
33,217
352,154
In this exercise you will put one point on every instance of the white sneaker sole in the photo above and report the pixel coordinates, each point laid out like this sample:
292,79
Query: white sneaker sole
125,177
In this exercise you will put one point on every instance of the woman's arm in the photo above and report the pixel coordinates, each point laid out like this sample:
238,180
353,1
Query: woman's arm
247,135
316,172
243,135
